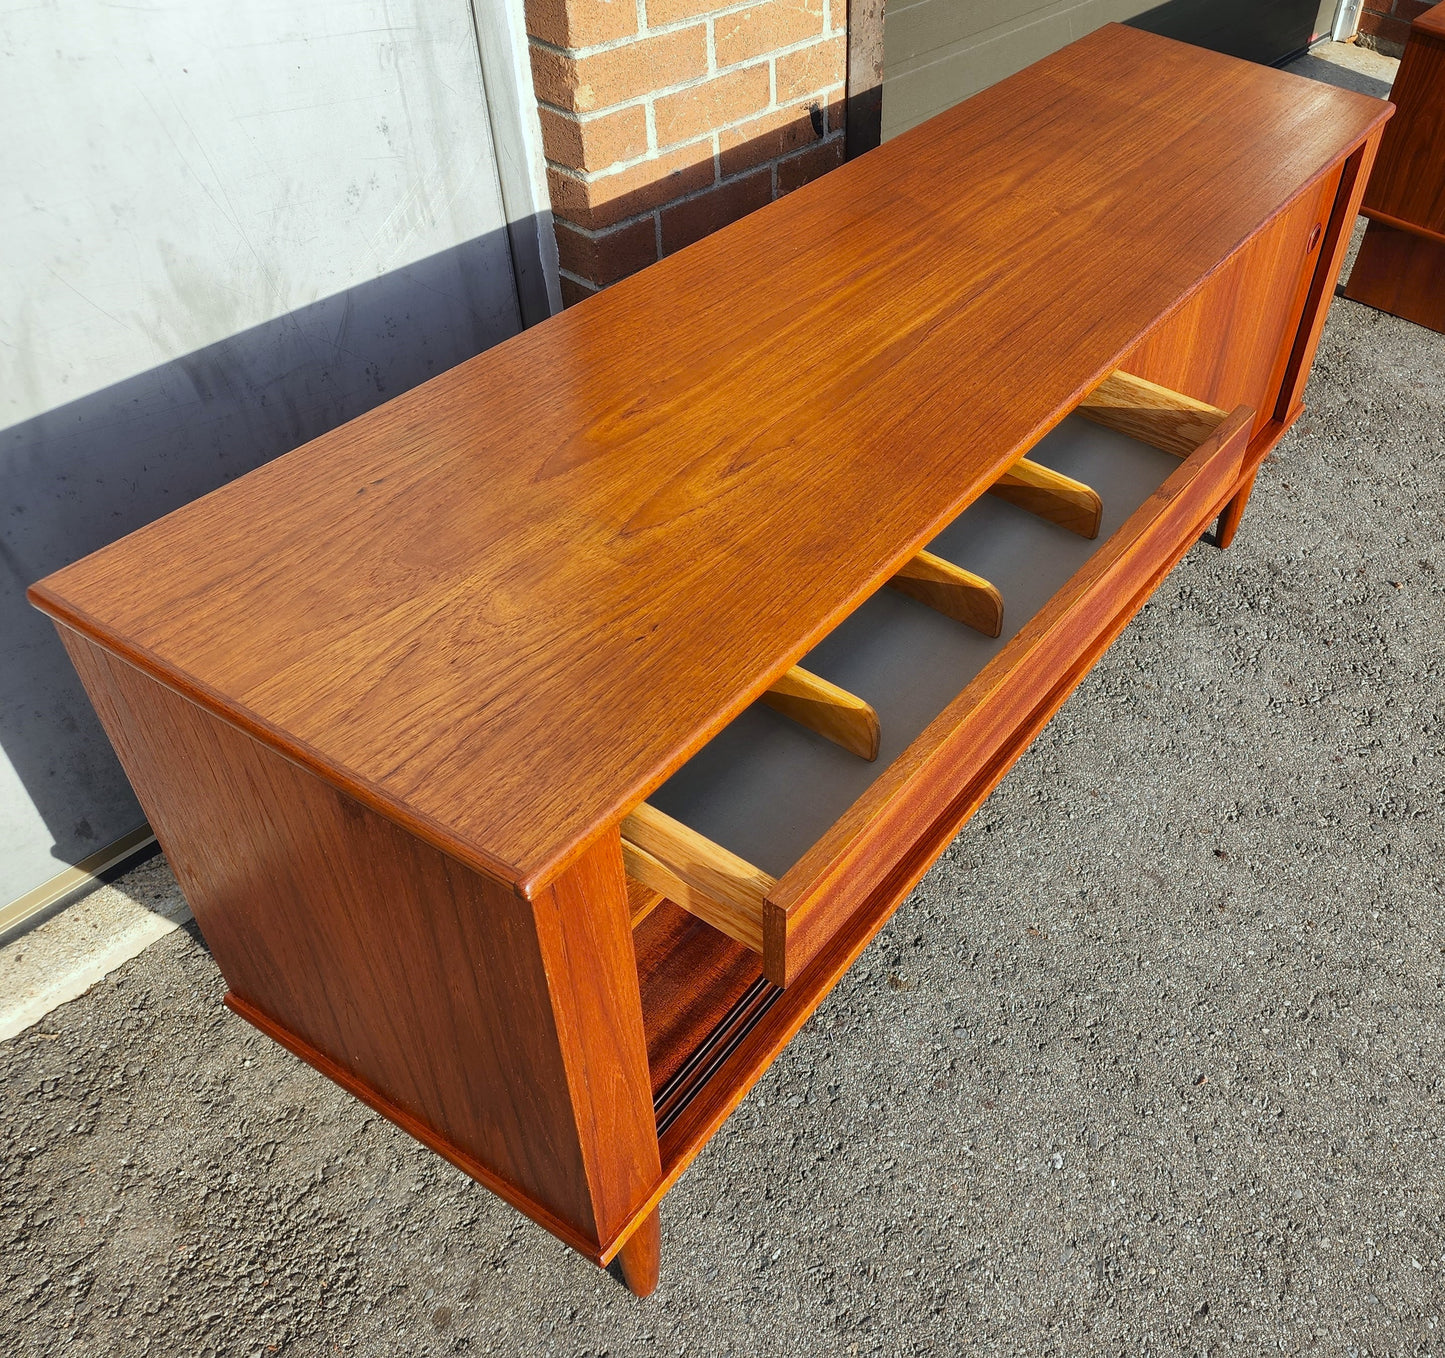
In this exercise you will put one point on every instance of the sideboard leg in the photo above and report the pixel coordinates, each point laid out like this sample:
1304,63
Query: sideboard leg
1233,512
640,1259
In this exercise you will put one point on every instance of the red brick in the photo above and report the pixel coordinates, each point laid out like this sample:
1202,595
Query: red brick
574,292
1387,30
776,133
686,222
808,165
814,68
837,110
716,103
586,84
594,143
600,203
604,258
581,23
1413,9
763,28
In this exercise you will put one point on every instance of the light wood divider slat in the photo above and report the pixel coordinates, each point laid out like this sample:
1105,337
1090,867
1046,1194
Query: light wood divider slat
1153,414
953,591
641,901
833,712
1051,495
691,871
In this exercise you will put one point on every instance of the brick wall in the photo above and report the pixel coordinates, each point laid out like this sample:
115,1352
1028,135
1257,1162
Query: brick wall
663,120
1387,22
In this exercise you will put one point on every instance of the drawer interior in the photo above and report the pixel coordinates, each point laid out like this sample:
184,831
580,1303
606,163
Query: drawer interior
708,846
766,787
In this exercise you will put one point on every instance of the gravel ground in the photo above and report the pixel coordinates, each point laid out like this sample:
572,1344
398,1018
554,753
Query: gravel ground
1149,1063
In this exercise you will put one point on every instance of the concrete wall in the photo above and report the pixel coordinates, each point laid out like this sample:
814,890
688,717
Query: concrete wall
227,227
937,52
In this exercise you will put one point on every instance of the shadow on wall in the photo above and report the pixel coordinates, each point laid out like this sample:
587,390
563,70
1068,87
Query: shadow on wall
87,473
1257,30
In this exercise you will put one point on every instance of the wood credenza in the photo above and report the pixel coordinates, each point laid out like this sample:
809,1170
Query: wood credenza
1401,264
538,750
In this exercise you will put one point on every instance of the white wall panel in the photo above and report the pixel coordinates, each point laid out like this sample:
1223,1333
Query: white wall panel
225,226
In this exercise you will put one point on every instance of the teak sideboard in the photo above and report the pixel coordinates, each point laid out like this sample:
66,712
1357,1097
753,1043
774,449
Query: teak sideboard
538,750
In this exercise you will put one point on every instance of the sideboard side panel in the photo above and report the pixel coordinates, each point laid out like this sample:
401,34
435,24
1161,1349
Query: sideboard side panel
1402,273
1409,181
424,982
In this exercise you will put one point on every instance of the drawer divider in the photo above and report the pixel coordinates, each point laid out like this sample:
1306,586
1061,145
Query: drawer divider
833,712
1155,415
1051,495
952,591
692,871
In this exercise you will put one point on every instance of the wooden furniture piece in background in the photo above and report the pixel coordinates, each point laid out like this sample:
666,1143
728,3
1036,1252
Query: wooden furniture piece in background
1401,264
449,721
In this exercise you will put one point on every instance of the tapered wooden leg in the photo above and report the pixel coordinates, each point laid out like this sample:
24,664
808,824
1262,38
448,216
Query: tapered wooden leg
640,1259
1233,512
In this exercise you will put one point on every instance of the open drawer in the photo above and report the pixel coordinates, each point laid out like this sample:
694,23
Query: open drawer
851,776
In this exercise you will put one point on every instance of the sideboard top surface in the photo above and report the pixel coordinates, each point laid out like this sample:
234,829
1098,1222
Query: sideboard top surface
506,605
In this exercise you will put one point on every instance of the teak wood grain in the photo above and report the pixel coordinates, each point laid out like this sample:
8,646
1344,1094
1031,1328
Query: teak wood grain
953,591
1408,182
640,1259
1401,264
505,606
1230,343
814,899
693,872
794,919
952,788
1400,272
690,976
1051,495
833,712
1159,416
